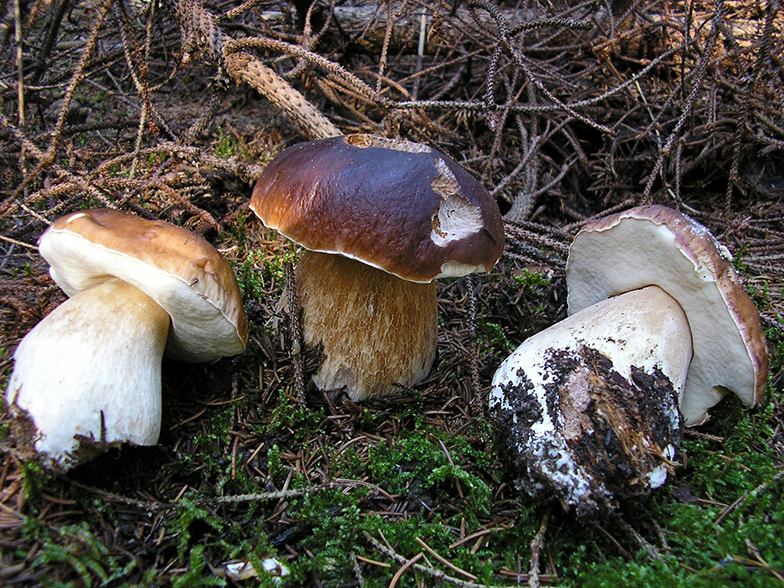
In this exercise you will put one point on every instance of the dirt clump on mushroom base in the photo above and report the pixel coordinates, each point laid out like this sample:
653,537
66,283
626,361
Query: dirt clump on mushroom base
617,437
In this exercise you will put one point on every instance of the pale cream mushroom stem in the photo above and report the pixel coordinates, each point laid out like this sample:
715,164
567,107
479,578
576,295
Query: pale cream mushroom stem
89,374
587,410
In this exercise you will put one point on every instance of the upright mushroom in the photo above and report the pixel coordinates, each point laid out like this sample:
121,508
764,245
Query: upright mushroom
89,374
588,408
379,220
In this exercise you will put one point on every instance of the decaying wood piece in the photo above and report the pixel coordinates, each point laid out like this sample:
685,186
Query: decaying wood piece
369,20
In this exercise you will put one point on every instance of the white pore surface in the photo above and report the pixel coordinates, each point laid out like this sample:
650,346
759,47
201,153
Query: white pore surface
643,328
92,370
640,253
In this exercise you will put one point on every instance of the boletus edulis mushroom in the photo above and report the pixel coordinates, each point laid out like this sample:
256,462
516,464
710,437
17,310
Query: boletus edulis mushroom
590,410
88,376
379,219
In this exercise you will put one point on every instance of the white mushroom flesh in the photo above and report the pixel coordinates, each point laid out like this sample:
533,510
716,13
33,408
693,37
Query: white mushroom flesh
456,218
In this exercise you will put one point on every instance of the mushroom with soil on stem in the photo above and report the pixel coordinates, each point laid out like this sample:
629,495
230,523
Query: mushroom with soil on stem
88,376
590,410
379,219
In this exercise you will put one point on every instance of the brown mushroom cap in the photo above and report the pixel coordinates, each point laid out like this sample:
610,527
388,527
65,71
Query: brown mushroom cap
399,206
178,269
656,245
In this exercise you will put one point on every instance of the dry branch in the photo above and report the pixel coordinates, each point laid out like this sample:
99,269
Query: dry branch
202,32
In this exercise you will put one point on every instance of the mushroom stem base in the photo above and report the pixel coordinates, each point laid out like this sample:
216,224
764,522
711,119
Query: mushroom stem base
587,410
376,330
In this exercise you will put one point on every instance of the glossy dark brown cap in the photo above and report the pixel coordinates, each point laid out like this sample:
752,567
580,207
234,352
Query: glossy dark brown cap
400,206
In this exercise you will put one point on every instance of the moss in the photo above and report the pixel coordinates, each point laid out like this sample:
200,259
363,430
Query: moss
491,336
297,420
532,282
197,572
228,146
76,549
251,278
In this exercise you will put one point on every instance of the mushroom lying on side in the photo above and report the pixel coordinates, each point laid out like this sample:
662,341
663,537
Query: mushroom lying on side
587,409
89,374
656,245
379,219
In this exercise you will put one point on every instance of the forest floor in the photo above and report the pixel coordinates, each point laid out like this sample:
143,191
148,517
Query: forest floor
565,111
